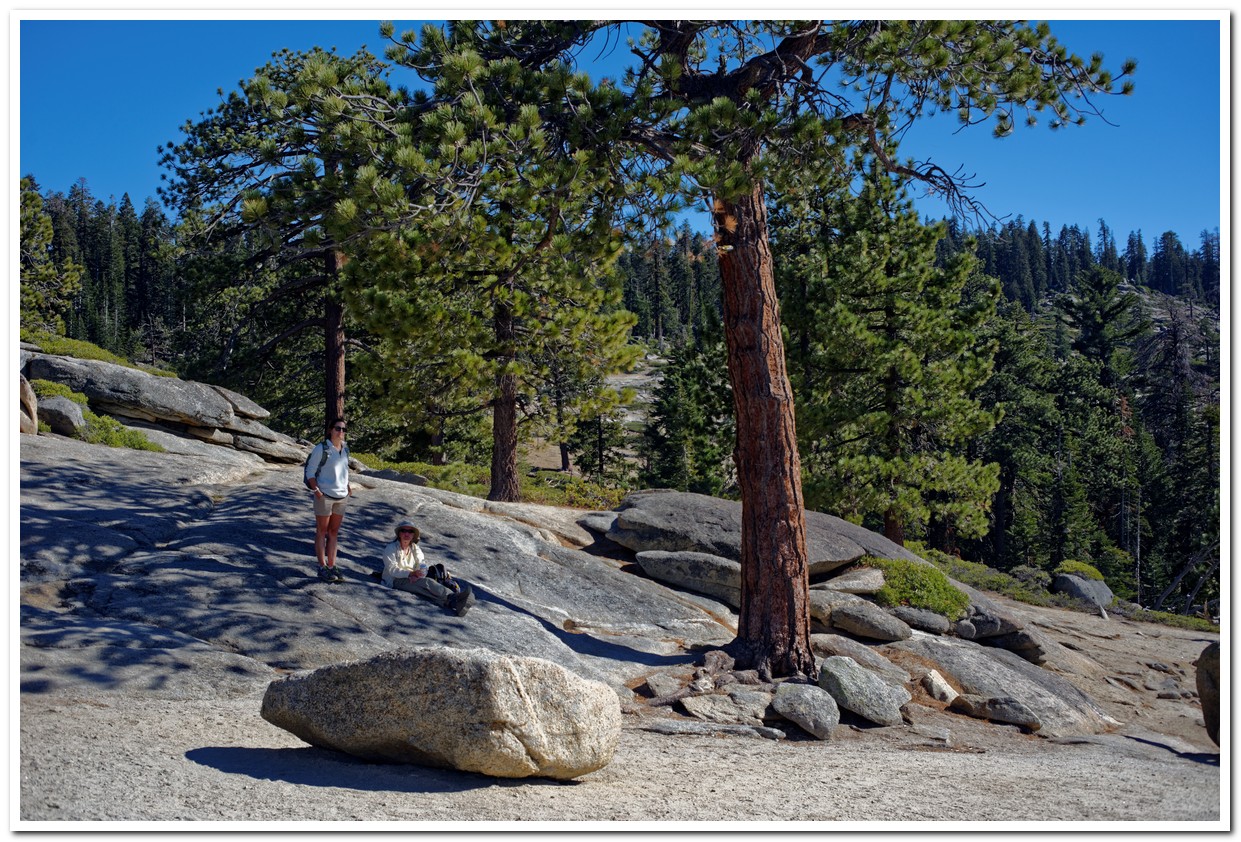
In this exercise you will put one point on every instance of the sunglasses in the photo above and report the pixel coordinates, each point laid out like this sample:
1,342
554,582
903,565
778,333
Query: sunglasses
342,429
405,532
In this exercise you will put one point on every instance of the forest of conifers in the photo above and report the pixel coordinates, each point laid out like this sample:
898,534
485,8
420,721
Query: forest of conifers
1100,413
480,255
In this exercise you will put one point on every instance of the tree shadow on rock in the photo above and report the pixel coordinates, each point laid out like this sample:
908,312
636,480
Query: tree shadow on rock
1204,757
584,643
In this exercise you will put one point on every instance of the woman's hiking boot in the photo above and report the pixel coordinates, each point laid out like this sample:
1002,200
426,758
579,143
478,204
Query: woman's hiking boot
461,602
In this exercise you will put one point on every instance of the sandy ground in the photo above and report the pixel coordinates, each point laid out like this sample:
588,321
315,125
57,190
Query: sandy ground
104,758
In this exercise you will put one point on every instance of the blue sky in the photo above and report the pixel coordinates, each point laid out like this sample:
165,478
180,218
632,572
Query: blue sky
97,97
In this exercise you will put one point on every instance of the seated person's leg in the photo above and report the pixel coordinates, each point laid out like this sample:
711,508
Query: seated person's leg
431,589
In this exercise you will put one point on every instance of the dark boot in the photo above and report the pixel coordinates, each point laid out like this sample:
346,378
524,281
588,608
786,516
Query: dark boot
461,602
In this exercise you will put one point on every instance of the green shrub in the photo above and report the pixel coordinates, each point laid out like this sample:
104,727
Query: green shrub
983,577
1025,585
102,429
918,586
48,389
80,349
99,429
1079,568
1180,621
1031,576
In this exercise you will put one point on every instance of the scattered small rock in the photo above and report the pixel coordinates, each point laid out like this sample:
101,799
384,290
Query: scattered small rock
809,707
662,684
938,688
921,619
997,709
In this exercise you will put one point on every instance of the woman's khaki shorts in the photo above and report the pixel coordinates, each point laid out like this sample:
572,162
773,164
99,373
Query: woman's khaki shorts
325,505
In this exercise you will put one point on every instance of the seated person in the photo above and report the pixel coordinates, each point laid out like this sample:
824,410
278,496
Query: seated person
405,569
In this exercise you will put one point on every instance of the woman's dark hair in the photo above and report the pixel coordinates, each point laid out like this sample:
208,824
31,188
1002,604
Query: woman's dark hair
333,423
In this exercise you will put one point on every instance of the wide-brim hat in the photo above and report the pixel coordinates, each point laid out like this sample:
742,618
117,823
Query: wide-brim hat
406,524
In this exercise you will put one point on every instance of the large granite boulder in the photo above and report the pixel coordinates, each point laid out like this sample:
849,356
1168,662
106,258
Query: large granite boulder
675,521
472,710
131,392
921,618
272,451
197,410
859,580
826,645
997,709
243,407
1208,688
1093,592
823,603
28,420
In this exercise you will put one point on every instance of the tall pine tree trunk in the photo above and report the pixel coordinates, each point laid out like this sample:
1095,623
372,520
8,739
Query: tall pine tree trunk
893,522
505,486
1002,514
559,399
333,341
438,455
773,630
894,527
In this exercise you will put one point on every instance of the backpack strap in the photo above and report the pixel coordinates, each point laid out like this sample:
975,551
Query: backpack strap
323,451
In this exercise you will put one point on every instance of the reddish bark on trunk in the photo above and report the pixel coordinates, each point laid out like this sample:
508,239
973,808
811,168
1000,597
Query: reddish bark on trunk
505,486
333,342
773,633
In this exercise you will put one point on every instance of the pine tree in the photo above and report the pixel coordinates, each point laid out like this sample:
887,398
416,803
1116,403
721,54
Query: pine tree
599,443
885,397
1104,318
284,163
1106,254
688,441
1208,256
1168,270
158,293
633,268
1020,392
1038,262
1013,267
47,285
1135,258
718,107
524,235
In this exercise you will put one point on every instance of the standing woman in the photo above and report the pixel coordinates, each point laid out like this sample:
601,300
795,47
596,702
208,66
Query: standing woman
327,475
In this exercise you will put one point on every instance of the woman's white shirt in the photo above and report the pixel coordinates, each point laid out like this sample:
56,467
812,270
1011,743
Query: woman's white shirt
400,564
